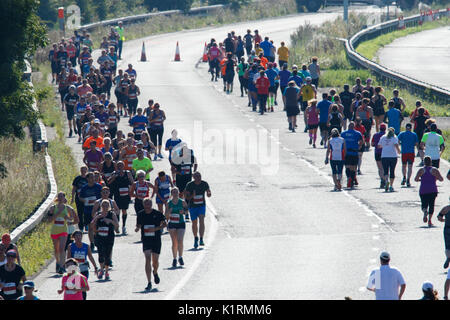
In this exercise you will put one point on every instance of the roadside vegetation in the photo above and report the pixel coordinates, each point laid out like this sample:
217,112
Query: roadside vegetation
323,41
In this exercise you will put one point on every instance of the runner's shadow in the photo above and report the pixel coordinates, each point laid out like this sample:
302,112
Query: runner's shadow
193,249
137,242
55,276
176,268
146,291
427,227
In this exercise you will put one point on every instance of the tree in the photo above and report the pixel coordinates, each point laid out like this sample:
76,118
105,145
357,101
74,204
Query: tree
162,5
102,9
22,33
47,12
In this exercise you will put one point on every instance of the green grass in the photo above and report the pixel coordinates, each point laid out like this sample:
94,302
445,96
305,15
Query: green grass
36,247
370,48
446,154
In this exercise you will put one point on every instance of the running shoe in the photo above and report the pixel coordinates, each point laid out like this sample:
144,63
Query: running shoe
155,158
70,133
79,139
75,130
249,104
296,126
107,276
446,263
425,216
429,223
271,109
160,155
57,268
355,182
242,95
196,243
186,217
359,172
290,126
148,287
310,140
391,189
349,182
335,188
201,242
156,277
174,263
403,181
224,89
100,275
321,142
314,145
339,186
306,129
180,261
382,184
386,186
124,231
408,184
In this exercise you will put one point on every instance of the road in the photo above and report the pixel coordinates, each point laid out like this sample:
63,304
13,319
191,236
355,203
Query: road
422,56
275,229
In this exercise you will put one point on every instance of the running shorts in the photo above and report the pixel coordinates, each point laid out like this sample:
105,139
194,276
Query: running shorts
378,156
408,158
304,105
122,202
351,160
313,126
323,127
435,163
273,89
153,245
337,166
177,225
59,235
70,113
195,212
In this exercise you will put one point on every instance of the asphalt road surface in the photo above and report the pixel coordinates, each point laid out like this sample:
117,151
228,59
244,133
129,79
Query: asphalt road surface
275,229
423,56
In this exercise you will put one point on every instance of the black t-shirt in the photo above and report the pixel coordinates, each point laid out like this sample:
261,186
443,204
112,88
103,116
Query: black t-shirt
78,183
150,220
346,99
71,99
197,200
11,282
105,231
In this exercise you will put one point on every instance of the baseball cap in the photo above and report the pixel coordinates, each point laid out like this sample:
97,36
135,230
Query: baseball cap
6,239
11,253
88,108
308,79
139,142
383,126
427,285
385,255
294,66
96,121
28,284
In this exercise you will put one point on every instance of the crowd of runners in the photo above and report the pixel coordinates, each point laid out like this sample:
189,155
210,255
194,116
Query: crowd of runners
118,165
350,122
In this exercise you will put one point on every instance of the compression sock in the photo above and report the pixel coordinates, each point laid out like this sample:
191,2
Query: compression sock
124,218
314,138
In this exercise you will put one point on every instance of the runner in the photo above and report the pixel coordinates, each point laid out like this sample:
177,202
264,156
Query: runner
132,93
2,254
162,186
434,145
394,117
314,70
336,150
272,75
229,73
28,286
61,214
365,113
389,154
251,73
419,128
428,189
150,222
369,88
335,118
241,68
214,54
131,72
77,184
308,92
11,274
123,96
195,195
361,129
140,190
283,54
89,193
82,118
83,61
156,120
312,113
442,217
262,85
324,107
248,38
353,141
120,183
103,224
70,101
183,161
408,141
93,157
377,151
142,163
107,167
128,153
175,209
80,251
139,123
170,144
73,284
379,100
62,80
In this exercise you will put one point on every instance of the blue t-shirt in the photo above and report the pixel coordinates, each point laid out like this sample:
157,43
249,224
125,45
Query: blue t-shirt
394,119
141,122
323,106
408,140
91,194
305,73
170,144
352,138
278,72
266,46
271,74
297,79
284,77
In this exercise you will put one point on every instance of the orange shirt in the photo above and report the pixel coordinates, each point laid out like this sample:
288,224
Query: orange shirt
264,62
223,63
130,155
99,141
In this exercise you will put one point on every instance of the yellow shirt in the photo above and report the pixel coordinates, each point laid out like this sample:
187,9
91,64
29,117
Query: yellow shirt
307,92
283,53
258,51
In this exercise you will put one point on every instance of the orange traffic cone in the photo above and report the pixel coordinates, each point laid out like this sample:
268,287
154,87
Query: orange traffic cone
205,54
143,57
177,53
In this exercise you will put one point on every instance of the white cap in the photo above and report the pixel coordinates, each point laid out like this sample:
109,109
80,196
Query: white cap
427,285
96,121
385,255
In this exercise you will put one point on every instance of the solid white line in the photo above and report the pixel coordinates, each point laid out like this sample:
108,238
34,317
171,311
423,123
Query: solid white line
211,236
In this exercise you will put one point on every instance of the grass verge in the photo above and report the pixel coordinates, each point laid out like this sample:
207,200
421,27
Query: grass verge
446,154
321,41
36,247
370,48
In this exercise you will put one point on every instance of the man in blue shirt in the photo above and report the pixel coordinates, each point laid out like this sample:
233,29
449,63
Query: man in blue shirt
324,107
266,46
354,141
408,141
139,123
272,74
393,115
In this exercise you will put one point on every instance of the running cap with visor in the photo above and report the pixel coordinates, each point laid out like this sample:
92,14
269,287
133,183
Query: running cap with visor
385,255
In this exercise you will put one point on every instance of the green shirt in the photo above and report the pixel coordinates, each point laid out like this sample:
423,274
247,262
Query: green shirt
177,214
120,32
144,164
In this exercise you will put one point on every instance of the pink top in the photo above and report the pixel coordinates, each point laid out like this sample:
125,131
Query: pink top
313,117
79,281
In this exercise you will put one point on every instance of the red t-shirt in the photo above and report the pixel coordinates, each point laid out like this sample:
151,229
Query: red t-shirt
263,84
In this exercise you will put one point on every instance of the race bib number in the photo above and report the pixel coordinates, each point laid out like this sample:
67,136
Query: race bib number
123,192
103,231
147,231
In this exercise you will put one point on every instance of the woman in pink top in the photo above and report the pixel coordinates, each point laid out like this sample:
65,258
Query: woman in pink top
312,115
73,282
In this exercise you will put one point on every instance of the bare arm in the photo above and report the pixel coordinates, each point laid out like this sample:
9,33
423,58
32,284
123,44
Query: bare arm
402,290
418,175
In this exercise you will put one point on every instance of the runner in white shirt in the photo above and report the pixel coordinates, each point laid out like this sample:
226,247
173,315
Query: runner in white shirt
337,148
434,145
386,281
389,153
